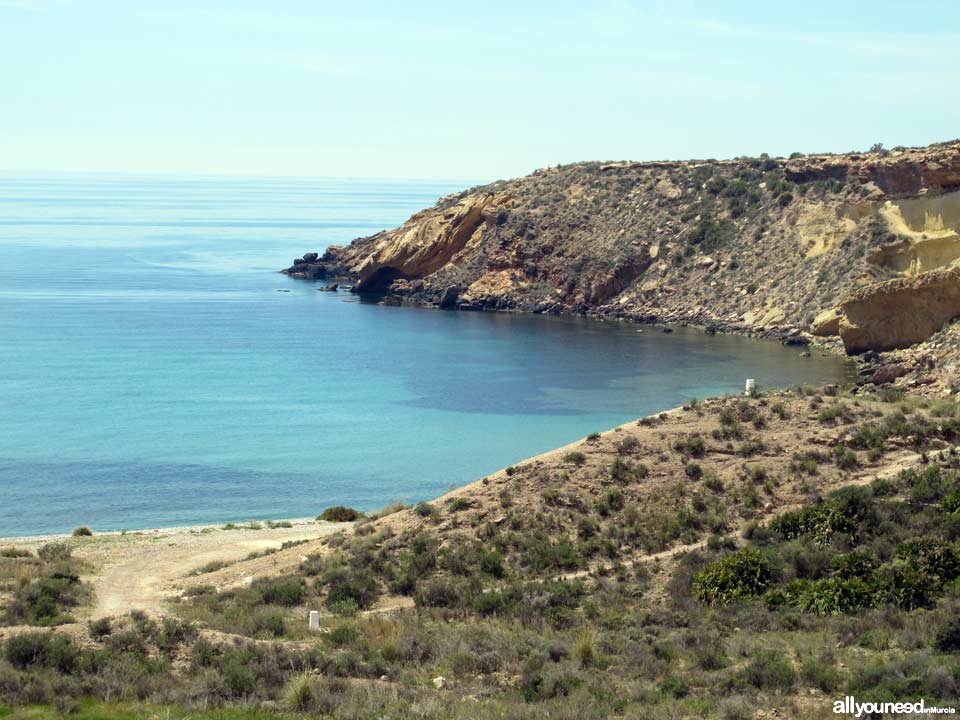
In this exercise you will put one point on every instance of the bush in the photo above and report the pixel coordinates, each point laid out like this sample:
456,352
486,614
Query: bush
623,471
820,674
844,458
350,586
30,650
770,671
436,592
14,552
338,514
931,557
948,636
745,573
288,591
82,531
300,693
492,563
100,628
825,597
425,510
54,552
693,446
575,458
675,686
458,504
238,677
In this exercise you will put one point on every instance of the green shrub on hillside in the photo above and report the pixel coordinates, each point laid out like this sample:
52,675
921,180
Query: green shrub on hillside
745,573
338,514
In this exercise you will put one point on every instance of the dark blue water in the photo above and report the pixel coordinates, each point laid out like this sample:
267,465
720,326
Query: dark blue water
151,374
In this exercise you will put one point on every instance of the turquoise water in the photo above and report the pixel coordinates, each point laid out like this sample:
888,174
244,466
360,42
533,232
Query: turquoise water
151,374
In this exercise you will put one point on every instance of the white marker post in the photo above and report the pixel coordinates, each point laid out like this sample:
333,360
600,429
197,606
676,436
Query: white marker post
750,387
315,620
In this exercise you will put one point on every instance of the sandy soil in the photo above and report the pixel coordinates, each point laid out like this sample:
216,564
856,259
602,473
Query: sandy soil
142,570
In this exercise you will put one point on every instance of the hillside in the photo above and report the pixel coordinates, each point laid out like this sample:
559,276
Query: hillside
857,246
737,558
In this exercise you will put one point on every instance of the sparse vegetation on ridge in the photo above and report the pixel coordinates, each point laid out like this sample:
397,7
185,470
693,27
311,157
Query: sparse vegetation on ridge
625,583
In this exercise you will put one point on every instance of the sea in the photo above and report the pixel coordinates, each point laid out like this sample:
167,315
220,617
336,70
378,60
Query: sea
156,370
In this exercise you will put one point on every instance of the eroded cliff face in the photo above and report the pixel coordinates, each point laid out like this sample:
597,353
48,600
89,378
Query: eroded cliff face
899,313
426,242
762,245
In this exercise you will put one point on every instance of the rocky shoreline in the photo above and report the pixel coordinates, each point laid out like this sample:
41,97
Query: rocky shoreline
857,253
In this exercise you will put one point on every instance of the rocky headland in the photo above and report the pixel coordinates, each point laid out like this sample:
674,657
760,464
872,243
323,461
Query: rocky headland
859,251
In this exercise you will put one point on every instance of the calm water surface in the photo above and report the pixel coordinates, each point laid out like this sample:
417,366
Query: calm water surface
152,374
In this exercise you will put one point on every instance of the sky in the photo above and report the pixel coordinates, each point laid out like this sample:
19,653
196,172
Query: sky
463,90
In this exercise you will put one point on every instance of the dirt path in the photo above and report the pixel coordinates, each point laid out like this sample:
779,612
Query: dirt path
141,572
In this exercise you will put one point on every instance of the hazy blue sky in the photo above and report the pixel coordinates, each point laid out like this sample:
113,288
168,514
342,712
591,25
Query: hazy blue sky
463,90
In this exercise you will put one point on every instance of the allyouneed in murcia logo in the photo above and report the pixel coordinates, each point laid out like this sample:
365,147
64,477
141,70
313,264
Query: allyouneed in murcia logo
850,706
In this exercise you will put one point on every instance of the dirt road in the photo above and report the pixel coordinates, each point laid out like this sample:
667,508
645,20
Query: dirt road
142,571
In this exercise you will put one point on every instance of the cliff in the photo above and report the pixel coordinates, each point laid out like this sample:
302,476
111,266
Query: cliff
761,245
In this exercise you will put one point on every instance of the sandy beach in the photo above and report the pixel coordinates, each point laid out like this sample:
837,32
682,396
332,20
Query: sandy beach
143,569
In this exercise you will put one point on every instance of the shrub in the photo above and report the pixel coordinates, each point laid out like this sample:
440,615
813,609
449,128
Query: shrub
458,504
584,650
288,591
931,557
34,650
14,552
436,592
238,677
628,445
770,671
844,458
820,674
907,588
623,471
825,597
752,447
300,693
928,486
859,564
425,510
742,574
711,655
693,470
948,636
54,552
338,514
210,567
492,563
951,503
693,446
575,458
100,628
174,632
82,531
675,686
350,586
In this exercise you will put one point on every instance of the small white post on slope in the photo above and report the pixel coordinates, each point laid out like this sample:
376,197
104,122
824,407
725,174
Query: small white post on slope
315,620
750,387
